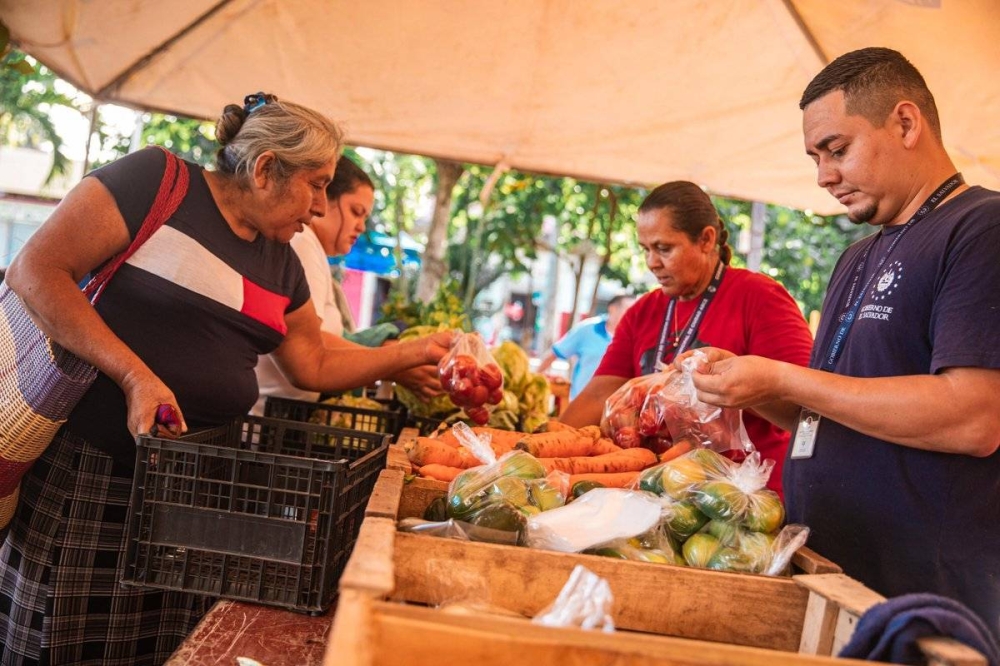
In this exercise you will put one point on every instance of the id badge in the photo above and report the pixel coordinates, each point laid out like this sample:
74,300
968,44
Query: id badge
805,434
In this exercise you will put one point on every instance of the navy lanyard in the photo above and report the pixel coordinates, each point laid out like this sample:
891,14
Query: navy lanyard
852,304
691,330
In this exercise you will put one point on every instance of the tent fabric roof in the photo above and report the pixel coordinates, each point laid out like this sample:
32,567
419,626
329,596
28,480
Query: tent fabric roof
638,92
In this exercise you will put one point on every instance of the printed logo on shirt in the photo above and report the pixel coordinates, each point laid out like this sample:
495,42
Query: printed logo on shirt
886,285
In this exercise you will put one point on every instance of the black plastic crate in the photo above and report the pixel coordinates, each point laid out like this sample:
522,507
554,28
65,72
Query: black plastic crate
425,425
261,510
387,421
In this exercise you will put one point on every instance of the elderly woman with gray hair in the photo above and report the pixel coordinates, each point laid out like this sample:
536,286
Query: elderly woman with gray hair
181,324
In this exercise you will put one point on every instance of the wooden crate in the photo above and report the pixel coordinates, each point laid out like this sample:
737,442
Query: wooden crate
697,615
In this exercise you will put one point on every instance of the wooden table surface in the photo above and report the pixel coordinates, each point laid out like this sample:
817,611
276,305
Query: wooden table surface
270,636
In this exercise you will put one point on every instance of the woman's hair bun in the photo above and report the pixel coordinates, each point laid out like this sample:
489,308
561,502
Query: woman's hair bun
229,123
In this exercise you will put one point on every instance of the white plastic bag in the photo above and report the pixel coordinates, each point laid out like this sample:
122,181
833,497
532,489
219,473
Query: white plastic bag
598,516
585,602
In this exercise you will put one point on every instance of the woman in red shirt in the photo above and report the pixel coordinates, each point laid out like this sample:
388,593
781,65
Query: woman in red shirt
702,301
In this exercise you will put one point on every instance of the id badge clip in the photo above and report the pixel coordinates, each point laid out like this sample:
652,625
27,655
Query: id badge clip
805,434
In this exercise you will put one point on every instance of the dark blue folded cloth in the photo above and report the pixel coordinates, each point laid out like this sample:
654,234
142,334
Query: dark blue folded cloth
889,631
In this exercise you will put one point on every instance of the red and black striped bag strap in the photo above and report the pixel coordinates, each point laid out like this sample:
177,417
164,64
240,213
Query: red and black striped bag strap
173,189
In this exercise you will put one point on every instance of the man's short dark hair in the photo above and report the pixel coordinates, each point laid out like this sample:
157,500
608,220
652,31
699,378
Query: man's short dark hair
874,80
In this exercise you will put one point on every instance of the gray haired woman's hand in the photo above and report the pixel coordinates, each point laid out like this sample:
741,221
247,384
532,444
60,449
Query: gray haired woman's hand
145,394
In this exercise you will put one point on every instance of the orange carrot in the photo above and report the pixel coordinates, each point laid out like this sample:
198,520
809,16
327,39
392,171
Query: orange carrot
552,425
591,431
613,480
499,439
564,444
440,472
676,451
626,460
425,451
604,445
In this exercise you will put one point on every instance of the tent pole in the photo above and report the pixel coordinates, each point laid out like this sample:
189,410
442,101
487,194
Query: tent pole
758,220
142,62
91,128
806,32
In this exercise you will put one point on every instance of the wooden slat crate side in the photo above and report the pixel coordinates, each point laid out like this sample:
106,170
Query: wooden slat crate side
417,494
426,637
809,561
371,567
386,495
351,641
689,603
759,611
397,459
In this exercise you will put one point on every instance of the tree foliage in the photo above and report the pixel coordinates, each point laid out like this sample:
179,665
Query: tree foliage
188,138
800,250
27,94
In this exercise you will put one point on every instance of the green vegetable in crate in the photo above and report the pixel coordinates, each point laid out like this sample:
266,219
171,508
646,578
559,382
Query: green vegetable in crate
609,552
510,489
725,531
757,548
651,480
720,500
700,548
499,516
765,512
546,496
580,487
653,556
471,487
728,558
437,510
680,475
685,519
521,465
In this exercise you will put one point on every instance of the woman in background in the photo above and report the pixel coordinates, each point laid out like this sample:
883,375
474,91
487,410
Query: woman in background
350,197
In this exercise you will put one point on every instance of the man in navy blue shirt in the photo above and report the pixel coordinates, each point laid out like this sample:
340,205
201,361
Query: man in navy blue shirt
894,461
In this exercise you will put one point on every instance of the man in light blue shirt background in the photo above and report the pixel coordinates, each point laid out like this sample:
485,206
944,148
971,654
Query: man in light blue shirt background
584,344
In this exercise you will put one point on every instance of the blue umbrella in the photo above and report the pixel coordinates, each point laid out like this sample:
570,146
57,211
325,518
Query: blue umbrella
375,252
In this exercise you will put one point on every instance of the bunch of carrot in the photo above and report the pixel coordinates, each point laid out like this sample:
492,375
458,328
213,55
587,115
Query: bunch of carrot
583,453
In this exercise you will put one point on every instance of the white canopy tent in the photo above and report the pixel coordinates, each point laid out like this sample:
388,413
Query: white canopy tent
640,91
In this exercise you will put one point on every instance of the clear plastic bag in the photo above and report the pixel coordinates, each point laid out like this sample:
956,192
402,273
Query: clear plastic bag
719,515
460,530
585,601
504,492
471,377
654,546
621,418
661,410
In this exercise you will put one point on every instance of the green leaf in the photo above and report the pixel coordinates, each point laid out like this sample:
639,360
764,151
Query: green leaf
22,67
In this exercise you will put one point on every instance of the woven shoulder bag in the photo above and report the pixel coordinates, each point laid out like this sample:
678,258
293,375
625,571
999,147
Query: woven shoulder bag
40,382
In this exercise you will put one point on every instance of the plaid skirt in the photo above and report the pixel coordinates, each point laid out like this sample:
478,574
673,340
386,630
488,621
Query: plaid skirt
60,599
